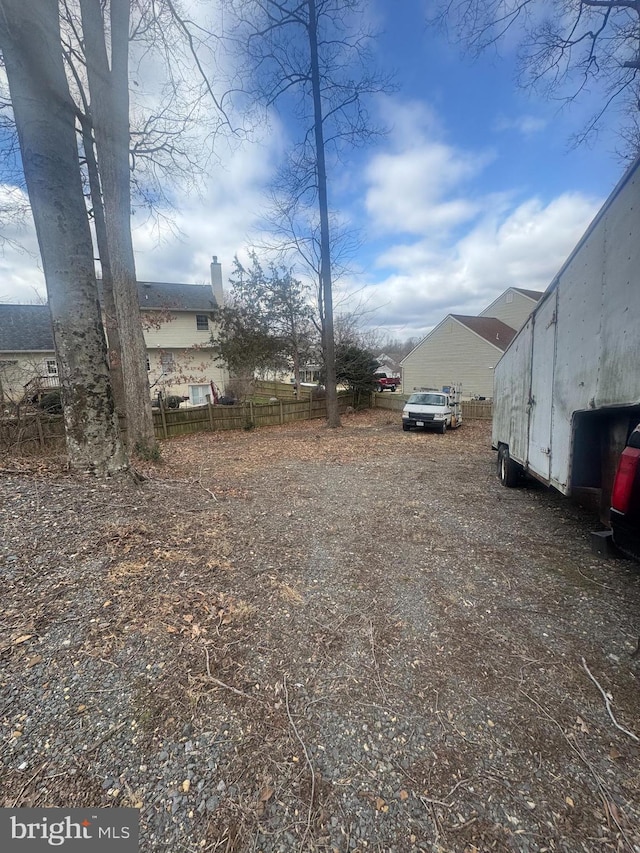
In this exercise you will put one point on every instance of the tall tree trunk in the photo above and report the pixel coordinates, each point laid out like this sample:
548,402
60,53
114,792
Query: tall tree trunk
333,413
109,95
45,121
114,348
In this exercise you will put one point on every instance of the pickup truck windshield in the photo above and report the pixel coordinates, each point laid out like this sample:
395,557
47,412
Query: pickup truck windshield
427,399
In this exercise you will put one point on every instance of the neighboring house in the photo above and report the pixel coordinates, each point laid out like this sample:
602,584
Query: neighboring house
465,349
460,349
513,306
178,322
387,365
27,356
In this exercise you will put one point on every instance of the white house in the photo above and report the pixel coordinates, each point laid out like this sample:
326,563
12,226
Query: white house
179,324
465,349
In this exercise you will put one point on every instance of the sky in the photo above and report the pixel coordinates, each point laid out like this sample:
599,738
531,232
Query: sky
474,188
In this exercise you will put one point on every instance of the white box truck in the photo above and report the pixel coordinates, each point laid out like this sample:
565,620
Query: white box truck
567,389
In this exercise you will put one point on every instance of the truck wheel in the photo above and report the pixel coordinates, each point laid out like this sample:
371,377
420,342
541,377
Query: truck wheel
393,387
443,428
406,427
508,470
380,388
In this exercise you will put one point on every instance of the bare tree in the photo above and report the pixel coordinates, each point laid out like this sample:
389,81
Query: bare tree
566,46
311,58
45,120
108,76
295,240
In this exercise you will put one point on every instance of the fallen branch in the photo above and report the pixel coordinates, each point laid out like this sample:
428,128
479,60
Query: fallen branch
27,783
308,760
430,800
104,738
607,702
221,683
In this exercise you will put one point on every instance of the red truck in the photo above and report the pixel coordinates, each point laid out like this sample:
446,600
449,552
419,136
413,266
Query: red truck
384,380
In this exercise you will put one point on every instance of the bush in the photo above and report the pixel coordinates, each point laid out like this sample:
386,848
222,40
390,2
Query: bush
51,402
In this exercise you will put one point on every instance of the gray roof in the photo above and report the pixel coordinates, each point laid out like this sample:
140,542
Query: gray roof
25,328
176,297
494,331
536,295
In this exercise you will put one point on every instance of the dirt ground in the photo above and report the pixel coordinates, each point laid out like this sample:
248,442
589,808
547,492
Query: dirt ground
315,640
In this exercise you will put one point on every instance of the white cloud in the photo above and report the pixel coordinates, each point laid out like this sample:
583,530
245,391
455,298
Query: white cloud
527,125
524,247
21,278
219,223
413,186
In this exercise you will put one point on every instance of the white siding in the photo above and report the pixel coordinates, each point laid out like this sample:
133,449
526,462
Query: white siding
511,307
451,353
189,367
174,336
18,368
174,329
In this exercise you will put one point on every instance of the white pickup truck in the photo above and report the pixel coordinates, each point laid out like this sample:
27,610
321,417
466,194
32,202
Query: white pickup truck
431,409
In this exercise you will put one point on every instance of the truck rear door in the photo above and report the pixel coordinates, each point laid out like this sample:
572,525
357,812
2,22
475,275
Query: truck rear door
541,400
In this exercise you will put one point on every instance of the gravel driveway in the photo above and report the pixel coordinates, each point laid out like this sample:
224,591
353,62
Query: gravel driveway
314,640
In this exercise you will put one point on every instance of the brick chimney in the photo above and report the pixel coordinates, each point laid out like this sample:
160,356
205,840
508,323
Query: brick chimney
216,281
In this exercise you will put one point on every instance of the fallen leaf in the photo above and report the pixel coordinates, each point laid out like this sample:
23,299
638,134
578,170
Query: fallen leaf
615,814
583,726
186,785
34,660
380,804
17,733
614,754
266,793
569,801
22,639
403,795
82,709
171,629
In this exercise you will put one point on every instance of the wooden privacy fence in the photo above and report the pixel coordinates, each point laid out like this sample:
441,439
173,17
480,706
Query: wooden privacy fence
171,422
282,390
477,410
38,431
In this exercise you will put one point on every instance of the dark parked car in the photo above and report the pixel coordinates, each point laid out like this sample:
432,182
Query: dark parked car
625,498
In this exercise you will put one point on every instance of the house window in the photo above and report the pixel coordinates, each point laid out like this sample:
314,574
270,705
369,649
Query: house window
198,394
168,362
509,298
51,366
202,323
148,363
